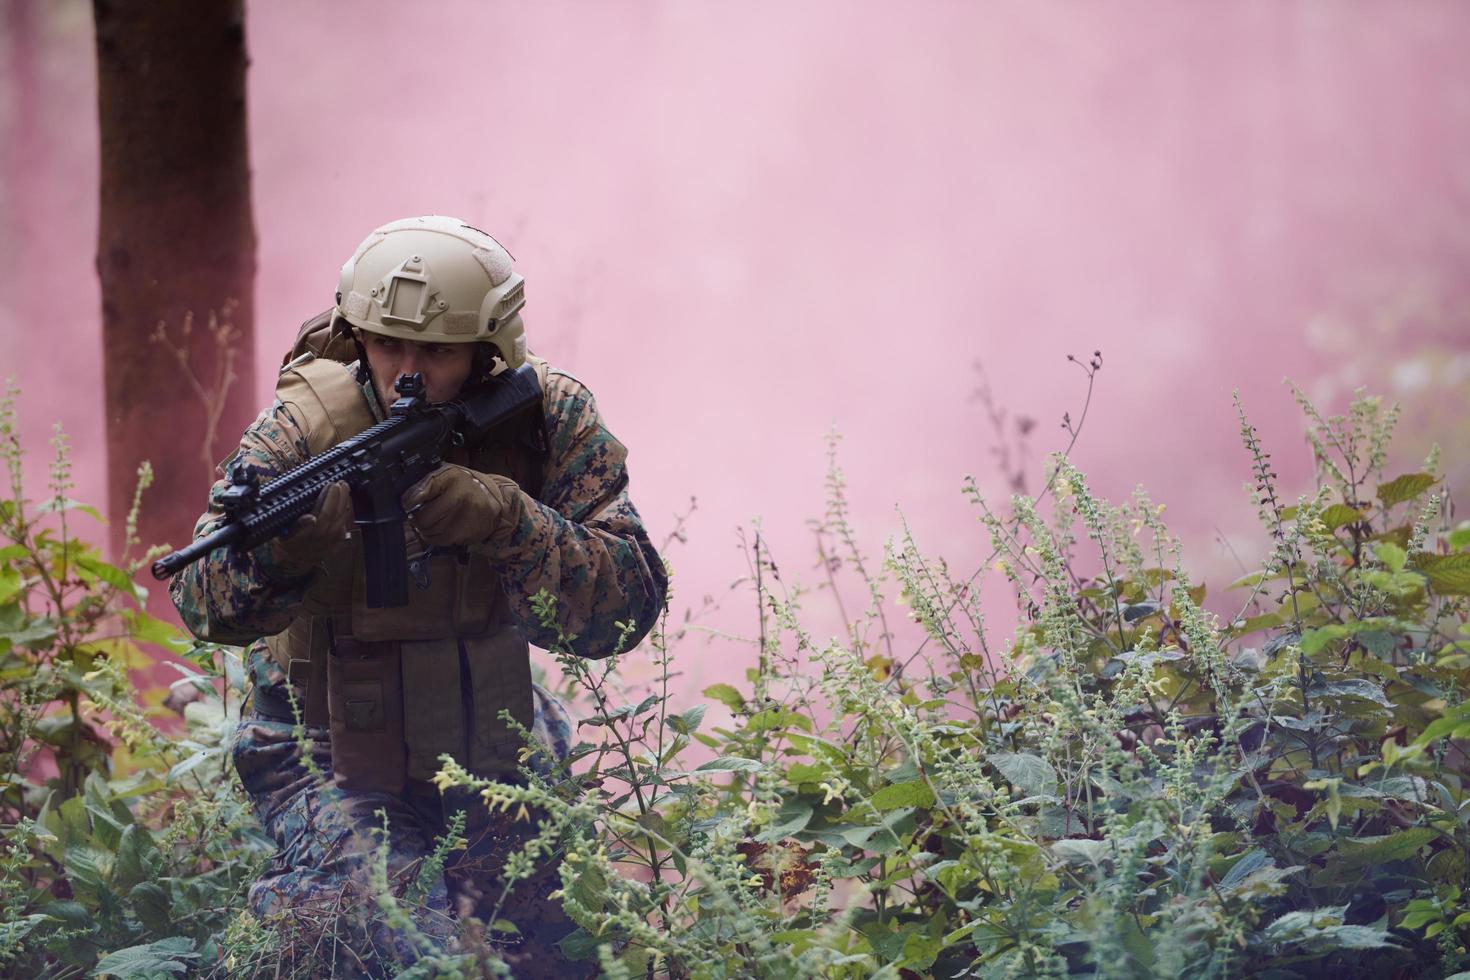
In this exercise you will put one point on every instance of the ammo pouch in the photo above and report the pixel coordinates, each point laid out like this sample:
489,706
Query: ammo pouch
401,687
454,690
395,707
365,712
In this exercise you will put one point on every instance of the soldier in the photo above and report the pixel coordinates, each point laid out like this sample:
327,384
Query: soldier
382,693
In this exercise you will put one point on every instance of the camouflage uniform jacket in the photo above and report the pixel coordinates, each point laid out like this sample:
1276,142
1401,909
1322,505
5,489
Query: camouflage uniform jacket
582,541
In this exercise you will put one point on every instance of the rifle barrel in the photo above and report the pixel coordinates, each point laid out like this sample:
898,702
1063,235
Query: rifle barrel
169,564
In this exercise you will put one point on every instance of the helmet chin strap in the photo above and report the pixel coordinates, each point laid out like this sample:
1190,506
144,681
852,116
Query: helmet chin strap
364,373
482,368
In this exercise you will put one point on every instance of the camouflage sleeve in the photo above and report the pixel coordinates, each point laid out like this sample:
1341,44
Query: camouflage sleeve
583,541
232,596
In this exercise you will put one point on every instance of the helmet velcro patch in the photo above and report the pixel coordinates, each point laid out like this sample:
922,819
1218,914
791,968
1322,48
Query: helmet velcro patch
460,322
356,304
496,263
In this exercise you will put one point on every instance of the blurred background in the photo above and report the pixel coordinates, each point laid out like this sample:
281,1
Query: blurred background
747,226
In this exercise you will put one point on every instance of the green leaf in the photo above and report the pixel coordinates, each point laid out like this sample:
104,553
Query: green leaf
145,629
920,951
1252,580
792,818
1139,945
137,857
1334,797
726,695
1031,774
1448,866
804,772
1418,918
10,583
887,939
1406,487
589,890
1315,641
915,793
1389,847
151,905
73,915
1082,851
1412,788
111,574
1133,612
686,722
169,955
1250,862
1447,574
185,766
579,945
730,763
1357,937
1267,621
36,633
881,838
1460,537
1294,925
1391,555
777,718
1110,786
799,940
1452,719
14,931
88,868
1341,515
1380,643
66,503
1355,688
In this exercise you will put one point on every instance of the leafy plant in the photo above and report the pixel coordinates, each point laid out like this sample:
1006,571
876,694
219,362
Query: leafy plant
1133,788
124,849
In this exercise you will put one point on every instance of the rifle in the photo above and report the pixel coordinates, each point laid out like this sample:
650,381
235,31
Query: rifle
378,465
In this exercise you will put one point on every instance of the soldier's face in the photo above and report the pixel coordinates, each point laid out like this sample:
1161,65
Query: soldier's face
445,367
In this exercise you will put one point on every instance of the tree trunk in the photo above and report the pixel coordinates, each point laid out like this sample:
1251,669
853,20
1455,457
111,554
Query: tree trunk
175,252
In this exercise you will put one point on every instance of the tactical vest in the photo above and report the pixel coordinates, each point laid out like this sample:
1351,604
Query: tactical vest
400,687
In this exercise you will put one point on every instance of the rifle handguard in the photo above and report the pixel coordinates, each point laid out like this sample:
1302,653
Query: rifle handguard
377,465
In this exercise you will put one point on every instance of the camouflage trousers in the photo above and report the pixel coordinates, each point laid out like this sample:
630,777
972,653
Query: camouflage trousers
318,892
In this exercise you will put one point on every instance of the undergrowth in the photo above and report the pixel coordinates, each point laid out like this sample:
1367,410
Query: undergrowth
1132,786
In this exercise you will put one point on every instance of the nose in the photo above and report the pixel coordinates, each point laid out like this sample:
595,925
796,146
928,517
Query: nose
408,364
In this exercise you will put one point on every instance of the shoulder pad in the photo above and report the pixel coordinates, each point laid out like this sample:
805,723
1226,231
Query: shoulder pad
327,400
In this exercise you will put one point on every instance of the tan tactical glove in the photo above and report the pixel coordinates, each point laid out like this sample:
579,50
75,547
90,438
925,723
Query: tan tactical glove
312,537
454,507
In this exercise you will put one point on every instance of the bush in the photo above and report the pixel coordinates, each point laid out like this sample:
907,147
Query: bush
124,850
1132,788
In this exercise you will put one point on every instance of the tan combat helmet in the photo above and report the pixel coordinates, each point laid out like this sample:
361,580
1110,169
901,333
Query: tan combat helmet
435,280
